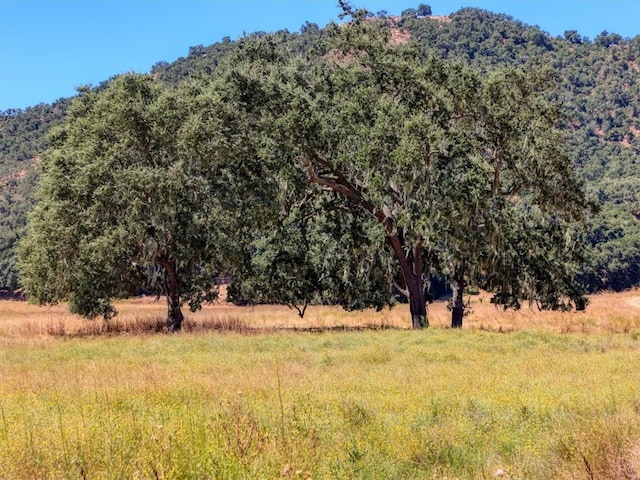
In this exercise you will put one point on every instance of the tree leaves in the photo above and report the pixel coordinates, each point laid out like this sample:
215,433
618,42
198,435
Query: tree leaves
122,189
325,179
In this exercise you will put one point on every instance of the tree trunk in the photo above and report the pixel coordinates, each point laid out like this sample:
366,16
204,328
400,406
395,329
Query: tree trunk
411,267
172,292
174,314
410,262
417,304
457,307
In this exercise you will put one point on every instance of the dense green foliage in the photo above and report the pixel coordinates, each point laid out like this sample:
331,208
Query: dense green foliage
316,254
447,162
433,165
139,180
599,91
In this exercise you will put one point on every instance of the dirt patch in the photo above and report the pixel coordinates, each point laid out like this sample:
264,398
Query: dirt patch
399,37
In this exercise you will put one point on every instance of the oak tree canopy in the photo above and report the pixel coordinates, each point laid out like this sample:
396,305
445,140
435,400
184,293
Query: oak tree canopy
350,175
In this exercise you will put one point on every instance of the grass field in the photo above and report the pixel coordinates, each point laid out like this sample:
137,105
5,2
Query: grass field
246,393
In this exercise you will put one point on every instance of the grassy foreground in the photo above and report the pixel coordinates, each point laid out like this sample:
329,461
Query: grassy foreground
533,403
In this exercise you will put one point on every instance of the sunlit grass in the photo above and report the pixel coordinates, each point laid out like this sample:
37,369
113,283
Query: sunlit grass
547,400
607,312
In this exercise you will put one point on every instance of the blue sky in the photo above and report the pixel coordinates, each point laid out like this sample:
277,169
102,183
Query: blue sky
49,47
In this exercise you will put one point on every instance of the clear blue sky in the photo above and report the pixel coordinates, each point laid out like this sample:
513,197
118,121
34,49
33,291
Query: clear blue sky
49,47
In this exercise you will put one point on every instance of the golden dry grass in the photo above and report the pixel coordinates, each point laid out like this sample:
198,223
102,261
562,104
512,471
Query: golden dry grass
606,312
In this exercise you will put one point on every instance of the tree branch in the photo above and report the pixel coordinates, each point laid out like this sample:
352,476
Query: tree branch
341,185
301,311
338,184
402,290
395,196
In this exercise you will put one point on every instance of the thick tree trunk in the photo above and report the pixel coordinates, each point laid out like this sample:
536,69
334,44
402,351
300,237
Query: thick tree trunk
174,314
457,311
172,292
417,303
411,267
457,307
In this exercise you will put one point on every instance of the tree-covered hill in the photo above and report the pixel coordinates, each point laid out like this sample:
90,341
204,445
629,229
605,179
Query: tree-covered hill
22,138
599,88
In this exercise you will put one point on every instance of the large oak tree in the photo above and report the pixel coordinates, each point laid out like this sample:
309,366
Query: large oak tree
448,163
141,180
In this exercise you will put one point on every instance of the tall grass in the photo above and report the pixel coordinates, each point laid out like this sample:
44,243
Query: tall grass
611,313
540,402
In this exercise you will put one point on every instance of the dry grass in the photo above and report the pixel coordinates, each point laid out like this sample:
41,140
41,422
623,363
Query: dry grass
606,313
556,398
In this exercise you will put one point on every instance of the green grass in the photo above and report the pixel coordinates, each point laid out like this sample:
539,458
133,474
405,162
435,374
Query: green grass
373,404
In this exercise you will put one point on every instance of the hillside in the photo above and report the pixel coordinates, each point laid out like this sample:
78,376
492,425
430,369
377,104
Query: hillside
22,139
599,88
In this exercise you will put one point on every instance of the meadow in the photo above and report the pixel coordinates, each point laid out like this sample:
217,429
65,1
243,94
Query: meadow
260,393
